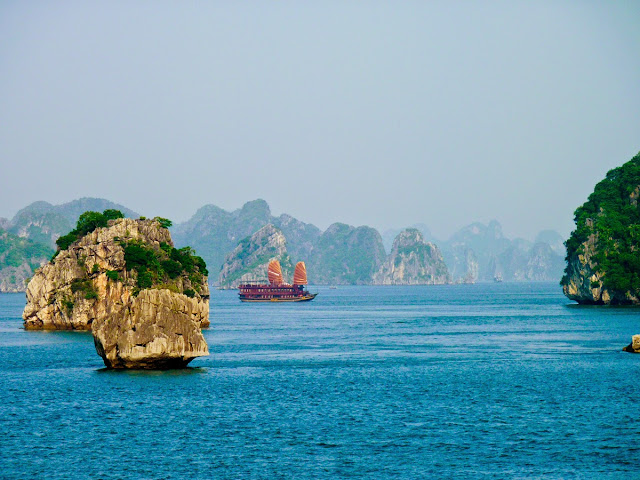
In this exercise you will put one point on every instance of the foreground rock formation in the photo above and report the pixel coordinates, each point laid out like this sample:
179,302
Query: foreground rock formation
412,262
144,300
90,280
249,260
603,266
156,329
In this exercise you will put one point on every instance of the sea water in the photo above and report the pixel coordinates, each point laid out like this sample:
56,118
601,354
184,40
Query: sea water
473,381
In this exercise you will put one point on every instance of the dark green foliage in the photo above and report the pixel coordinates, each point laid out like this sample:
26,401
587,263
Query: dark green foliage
91,295
112,214
87,223
200,263
183,256
610,214
157,267
95,268
64,241
189,293
43,222
164,222
144,279
173,268
78,284
139,257
113,275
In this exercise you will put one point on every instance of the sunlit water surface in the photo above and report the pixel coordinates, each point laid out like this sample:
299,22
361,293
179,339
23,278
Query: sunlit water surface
475,381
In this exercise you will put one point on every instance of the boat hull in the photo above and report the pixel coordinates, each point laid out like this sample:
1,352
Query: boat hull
305,298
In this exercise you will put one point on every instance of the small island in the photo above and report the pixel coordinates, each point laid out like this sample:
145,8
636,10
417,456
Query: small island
144,300
603,265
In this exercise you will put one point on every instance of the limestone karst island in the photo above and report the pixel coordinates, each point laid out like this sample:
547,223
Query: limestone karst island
144,300
603,265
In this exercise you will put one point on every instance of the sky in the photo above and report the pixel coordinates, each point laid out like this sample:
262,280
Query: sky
370,113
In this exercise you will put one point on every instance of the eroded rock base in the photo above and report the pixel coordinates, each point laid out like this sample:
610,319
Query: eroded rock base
154,330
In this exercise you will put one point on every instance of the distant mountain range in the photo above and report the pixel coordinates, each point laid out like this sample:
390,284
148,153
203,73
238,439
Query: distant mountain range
43,223
28,239
342,254
345,254
480,252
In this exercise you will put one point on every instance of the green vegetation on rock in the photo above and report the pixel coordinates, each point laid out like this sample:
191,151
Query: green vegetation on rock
87,223
161,267
112,275
85,286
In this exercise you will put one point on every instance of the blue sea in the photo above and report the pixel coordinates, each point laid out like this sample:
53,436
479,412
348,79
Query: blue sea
472,381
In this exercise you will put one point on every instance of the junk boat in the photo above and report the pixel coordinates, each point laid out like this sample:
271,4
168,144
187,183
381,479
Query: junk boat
276,290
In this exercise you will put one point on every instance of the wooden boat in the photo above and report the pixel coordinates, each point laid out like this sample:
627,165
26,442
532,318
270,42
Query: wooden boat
276,290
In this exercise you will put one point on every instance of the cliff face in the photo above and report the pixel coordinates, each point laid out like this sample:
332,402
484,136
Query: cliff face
91,280
249,260
412,262
582,282
543,263
155,330
462,263
603,266
300,236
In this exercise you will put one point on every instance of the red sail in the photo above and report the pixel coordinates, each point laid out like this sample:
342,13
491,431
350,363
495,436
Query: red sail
274,273
300,274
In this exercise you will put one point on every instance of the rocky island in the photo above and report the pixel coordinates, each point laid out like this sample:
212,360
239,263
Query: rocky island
144,300
412,262
603,265
346,255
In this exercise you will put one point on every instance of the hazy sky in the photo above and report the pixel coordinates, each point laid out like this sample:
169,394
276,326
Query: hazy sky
376,113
